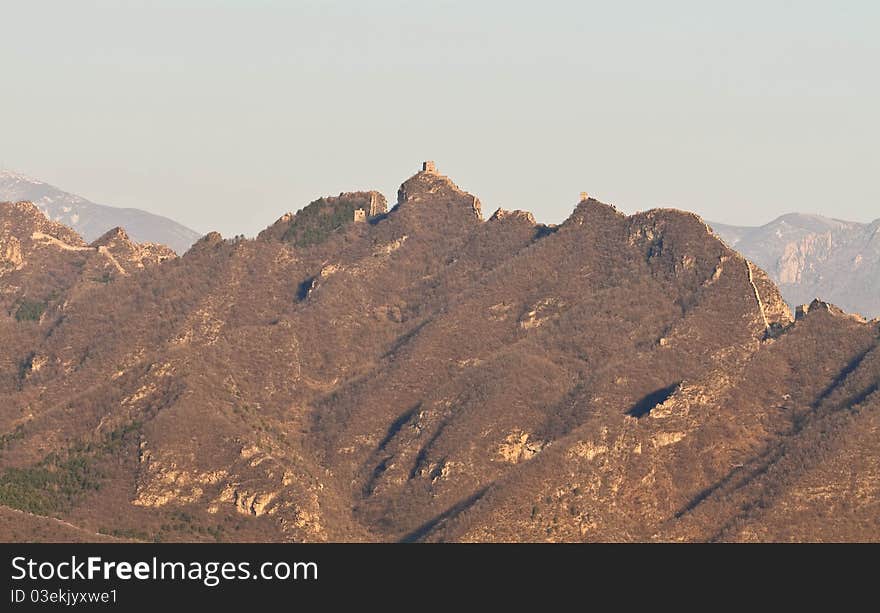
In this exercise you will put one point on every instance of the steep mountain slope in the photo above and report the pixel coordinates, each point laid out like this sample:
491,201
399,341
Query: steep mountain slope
92,220
811,256
424,374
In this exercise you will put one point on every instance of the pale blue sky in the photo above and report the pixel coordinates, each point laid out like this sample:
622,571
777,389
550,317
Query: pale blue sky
223,115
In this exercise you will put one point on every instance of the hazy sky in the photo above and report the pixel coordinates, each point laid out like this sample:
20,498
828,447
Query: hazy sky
224,115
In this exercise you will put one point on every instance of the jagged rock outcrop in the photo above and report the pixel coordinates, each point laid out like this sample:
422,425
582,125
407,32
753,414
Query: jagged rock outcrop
504,215
209,241
804,310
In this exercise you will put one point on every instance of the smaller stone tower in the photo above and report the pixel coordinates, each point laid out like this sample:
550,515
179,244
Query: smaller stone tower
360,215
584,196
429,167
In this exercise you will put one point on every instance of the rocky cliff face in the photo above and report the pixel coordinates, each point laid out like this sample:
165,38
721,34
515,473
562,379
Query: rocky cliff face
811,256
430,376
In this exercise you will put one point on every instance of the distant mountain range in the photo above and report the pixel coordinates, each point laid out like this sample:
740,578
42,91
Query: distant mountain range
92,220
810,256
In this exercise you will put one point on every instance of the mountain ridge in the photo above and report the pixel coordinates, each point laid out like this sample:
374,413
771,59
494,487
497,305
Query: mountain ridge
91,220
423,375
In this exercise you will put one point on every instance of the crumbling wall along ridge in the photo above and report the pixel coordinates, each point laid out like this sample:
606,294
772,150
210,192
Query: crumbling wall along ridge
757,294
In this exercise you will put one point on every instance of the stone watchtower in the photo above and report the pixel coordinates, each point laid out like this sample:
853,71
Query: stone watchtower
429,167
584,196
360,215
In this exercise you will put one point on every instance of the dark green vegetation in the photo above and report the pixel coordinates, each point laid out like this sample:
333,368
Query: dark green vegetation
315,222
30,310
177,525
10,437
51,486
57,482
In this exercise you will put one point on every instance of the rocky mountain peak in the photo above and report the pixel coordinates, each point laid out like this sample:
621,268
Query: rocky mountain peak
516,215
129,255
592,211
24,207
22,211
209,240
114,235
804,311
27,222
431,187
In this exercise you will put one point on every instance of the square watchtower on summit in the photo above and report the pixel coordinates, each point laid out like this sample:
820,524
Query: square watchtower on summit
429,167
